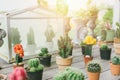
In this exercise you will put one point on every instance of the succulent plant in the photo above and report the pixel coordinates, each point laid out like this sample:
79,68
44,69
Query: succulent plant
93,67
44,52
70,73
117,32
34,65
104,47
30,36
116,60
65,46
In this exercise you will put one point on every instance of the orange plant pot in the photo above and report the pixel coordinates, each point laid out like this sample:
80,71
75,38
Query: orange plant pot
63,62
93,76
117,48
115,69
87,59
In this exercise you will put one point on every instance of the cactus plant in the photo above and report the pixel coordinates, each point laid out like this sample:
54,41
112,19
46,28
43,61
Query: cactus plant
34,65
116,60
44,52
104,47
30,37
117,32
45,57
65,46
18,49
93,67
70,73
15,36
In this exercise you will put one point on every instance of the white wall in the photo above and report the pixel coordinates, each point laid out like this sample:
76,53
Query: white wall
116,13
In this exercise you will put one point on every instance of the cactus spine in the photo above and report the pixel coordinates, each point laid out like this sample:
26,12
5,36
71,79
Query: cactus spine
65,46
30,36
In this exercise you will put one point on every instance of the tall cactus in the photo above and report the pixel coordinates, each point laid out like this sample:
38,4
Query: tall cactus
65,46
117,33
30,36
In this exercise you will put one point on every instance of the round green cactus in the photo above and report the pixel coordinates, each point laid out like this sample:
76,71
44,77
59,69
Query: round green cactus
116,60
70,74
93,67
103,47
34,65
44,52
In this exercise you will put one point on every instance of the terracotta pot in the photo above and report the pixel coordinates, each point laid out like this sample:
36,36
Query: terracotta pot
117,48
116,40
93,75
87,59
115,69
63,62
19,65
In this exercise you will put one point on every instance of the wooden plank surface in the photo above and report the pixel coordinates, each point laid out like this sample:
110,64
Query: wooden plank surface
78,62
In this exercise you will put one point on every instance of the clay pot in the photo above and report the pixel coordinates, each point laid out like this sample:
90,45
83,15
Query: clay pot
117,48
63,62
93,75
115,69
19,65
87,59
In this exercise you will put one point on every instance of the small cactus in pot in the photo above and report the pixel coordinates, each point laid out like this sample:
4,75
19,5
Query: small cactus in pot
18,49
93,70
115,65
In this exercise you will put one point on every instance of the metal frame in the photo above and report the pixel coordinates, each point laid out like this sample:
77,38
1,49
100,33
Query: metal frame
10,16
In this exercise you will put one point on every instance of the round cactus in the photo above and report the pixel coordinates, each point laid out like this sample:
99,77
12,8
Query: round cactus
115,60
93,67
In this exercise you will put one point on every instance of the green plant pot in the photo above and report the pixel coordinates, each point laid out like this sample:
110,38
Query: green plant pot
105,54
110,34
35,75
46,61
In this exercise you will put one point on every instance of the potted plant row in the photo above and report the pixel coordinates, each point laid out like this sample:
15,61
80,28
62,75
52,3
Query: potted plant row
105,52
93,70
45,57
115,65
34,69
65,47
70,73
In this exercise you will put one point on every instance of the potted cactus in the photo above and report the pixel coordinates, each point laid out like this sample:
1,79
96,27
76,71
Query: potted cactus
93,70
87,58
115,65
18,49
45,57
117,39
34,69
70,73
105,52
31,46
65,52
